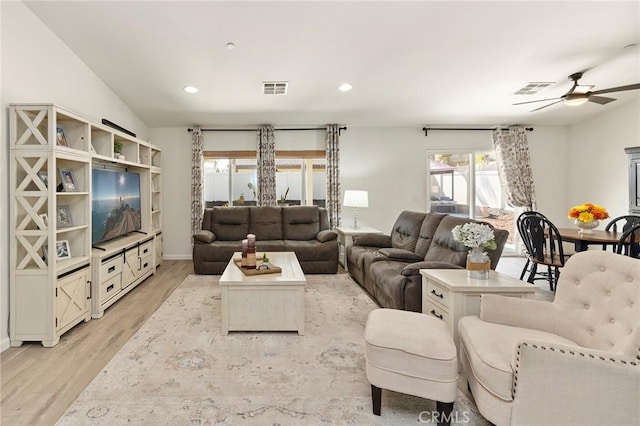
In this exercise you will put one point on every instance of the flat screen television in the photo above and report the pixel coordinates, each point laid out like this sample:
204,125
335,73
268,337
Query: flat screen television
115,204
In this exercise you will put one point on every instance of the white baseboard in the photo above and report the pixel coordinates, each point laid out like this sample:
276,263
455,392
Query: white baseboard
177,257
4,344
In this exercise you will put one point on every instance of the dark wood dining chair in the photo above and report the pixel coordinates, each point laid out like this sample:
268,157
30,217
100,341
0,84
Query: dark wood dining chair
622,223
629,242
543,243
525,269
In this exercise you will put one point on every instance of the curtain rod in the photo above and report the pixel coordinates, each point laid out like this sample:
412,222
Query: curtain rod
426,129
340,129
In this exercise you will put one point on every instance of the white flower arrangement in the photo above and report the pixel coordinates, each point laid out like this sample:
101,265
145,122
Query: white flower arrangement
475,235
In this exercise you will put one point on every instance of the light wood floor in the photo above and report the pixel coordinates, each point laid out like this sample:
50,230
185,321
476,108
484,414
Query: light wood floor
38,384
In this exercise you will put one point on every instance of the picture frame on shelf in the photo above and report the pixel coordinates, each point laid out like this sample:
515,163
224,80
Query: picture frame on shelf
63,216
68,180
61,138
44,177
63,251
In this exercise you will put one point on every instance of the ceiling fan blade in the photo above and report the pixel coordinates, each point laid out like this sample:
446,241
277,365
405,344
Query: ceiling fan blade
600,100
547,105
539,100
616,89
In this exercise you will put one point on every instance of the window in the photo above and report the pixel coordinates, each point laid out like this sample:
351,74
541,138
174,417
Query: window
466,184
231,177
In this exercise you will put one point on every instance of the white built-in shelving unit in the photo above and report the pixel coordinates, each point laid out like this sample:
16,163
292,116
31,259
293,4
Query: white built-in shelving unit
55,273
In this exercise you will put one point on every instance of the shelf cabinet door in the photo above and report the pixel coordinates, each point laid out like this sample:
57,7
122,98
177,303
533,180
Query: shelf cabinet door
72,298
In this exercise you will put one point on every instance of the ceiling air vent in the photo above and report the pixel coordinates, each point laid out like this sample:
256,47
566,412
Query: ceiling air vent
534,87
275,87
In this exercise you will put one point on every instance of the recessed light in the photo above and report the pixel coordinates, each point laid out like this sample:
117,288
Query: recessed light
345,87
231,46
190,89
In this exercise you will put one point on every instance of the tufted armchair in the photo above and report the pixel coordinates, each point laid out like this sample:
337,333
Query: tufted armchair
573,361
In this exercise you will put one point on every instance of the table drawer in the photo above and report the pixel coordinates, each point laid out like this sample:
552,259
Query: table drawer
110,288
437,311
438,294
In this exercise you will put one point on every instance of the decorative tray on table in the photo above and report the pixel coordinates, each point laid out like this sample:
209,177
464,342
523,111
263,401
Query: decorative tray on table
270,269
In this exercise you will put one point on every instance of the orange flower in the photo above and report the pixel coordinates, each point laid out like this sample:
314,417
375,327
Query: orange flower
588,212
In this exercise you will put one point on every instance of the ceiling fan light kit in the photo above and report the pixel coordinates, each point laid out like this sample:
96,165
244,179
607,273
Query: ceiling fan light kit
576,99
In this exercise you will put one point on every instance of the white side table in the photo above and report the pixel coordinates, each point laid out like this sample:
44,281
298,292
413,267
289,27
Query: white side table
345,239
450,294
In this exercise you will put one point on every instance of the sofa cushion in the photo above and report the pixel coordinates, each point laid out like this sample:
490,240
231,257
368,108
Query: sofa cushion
312,250
414,268
406,230
269,246
266,223
427,230
399,254
230,223
301,223
490,348
443,247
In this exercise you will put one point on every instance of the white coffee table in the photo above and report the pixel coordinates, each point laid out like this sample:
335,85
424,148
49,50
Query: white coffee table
270,302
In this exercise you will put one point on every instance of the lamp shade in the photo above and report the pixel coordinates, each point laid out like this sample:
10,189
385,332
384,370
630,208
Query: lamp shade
353,198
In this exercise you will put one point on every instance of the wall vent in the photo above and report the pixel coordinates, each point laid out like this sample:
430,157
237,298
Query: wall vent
275,87
534,87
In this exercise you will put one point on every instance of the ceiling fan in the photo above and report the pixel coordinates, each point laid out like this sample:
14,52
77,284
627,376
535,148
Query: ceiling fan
579,94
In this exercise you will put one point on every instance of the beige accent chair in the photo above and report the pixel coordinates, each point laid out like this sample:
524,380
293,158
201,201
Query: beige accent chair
573,361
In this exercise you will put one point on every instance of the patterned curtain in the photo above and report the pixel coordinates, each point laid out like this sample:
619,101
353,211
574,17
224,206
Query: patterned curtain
514,166
333,174
197,180
266,159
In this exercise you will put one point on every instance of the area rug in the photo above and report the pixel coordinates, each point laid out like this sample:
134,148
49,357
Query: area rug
178,369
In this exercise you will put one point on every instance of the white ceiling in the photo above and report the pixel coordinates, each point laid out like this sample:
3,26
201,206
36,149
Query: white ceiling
410,63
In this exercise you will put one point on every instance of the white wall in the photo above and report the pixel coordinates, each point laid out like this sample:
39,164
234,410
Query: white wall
598,167
390,163
37,67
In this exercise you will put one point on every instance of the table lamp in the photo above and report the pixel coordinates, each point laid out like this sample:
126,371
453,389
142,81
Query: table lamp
355,199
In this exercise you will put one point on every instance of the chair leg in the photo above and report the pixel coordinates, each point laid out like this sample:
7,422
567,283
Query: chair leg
532,274
376,399
444,411
550,277
524,270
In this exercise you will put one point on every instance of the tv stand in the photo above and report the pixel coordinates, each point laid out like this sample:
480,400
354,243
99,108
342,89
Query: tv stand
119,265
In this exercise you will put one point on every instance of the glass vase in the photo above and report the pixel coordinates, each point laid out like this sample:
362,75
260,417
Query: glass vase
478,263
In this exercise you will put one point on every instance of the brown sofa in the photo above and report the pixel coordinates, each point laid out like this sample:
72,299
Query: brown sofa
388,266
300,229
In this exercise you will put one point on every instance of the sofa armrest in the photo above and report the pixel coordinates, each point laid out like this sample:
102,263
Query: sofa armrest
597,387
400,254
414,268
326,235
372,240
516,312
204,236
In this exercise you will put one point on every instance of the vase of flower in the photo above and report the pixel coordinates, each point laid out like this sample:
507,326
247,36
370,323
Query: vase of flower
586,227
478,263
477,237
587,216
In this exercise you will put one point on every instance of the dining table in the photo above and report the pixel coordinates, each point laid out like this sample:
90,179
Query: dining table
582,240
